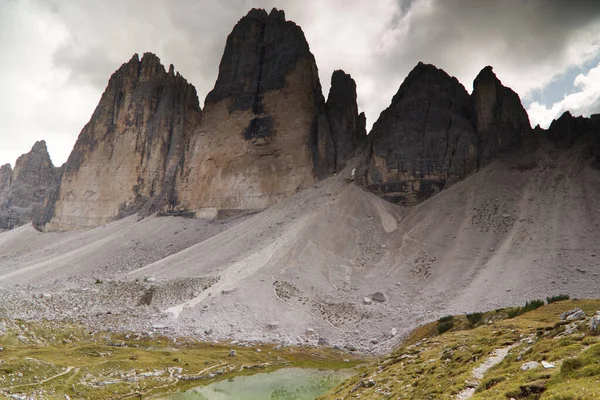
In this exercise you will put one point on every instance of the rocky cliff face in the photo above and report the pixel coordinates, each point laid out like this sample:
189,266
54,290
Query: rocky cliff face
128,154
434,133
264,133
348,127
24,189
425,139
501,121
568,130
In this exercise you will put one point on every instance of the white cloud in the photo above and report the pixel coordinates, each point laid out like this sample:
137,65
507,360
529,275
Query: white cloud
585,101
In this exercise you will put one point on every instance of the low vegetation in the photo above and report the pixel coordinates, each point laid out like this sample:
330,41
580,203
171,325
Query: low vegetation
529,306
441,366
560,297
48,360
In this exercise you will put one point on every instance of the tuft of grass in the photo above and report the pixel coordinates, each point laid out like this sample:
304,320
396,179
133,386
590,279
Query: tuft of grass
447,318
474,318
444,327
560,297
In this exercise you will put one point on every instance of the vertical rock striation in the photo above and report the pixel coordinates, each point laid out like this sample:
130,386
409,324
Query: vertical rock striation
425,139
264,132
127,155
501,121
348,127
24,189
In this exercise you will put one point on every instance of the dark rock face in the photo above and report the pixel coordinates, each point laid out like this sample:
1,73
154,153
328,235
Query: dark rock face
501,122
24,189
127,156
348,128
424,140
568,130
260,53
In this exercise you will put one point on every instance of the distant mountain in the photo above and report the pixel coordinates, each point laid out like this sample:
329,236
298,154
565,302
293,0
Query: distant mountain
24,189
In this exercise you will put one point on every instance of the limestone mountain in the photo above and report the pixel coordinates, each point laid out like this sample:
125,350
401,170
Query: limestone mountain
264,133
24,189
127,155
501,121
434,133
424,139
347,125
568,130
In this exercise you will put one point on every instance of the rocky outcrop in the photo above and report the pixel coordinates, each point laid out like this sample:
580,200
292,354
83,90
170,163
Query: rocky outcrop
264,132
24,189
424,140
568,130
128,154
501,122
348,127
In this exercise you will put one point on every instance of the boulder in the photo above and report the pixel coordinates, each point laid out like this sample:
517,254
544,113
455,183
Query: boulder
547,365
530,365
595,323
575,313
378,297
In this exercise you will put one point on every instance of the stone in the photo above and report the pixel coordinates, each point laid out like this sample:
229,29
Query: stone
572,314
369,383
367,300
232,353
128,155
378,297
323,341
348,129
425,139
501,122
24,190
530,365
394,332
264,133
547,365
595,323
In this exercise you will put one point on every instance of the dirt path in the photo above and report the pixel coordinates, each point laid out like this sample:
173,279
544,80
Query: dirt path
478,372
69,369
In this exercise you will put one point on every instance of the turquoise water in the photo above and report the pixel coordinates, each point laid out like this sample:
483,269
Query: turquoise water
283,384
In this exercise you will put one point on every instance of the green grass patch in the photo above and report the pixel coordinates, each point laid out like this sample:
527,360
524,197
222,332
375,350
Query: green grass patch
65,359
433,366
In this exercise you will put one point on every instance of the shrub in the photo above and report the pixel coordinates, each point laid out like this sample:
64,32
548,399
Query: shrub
444,327
559,297
532,305
529,306
474,317
447,318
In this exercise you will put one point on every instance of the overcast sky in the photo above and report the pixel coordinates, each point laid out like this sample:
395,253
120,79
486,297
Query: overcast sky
56,55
